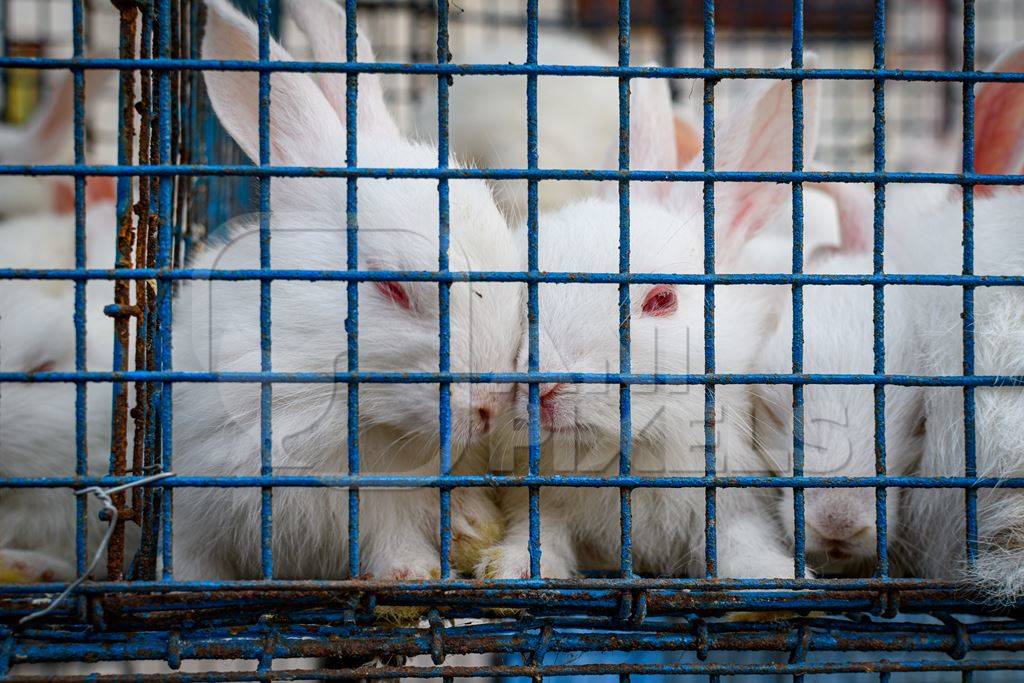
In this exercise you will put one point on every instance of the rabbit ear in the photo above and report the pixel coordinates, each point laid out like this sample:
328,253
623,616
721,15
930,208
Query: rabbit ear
689,140
304,130
652,146
651,125
323,22
999,122
759,137
855,205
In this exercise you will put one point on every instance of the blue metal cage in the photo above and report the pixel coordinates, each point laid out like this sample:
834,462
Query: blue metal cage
174,173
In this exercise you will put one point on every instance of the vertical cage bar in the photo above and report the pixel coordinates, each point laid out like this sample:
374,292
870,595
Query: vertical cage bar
878,293
625,420
797,59
532,290
970,455
266,388
81,387
710,467
352,287
165,287
180,182
148,420
444,291
127,234
118,463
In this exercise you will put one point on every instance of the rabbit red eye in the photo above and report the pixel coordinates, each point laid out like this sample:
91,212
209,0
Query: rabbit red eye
395,292
661,301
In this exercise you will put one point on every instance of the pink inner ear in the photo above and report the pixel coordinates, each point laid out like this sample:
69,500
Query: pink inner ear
997,137
661,301
395,292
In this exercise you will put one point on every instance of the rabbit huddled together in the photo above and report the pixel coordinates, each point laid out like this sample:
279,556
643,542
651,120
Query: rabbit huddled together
219,430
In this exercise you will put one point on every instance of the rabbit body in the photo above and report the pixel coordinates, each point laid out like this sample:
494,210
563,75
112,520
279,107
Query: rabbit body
217,426
579,332
37,420
838,420
998,350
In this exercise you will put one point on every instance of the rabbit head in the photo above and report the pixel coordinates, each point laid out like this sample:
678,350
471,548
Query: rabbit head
580,323
398,230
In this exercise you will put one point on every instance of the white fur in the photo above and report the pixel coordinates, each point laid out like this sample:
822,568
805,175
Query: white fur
838,420
933,228
217,426
37,420
47,138
935,518
487,117
579,332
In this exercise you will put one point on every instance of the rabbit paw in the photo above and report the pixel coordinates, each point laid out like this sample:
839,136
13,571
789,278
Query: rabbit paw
396,616
512,561
477,524
20,566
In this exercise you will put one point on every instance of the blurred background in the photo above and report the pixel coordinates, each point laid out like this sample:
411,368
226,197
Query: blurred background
920,34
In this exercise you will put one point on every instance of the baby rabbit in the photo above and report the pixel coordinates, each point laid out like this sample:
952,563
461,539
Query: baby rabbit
935,518
37,420
838,420
579,328
217,328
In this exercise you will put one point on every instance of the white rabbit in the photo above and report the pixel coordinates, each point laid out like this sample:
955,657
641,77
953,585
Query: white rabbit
37,420
579,327
935,518
838,420
46,138
578,126
216,427
578,118
487,117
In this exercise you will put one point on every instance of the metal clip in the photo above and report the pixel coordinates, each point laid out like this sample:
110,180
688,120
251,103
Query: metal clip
111,517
